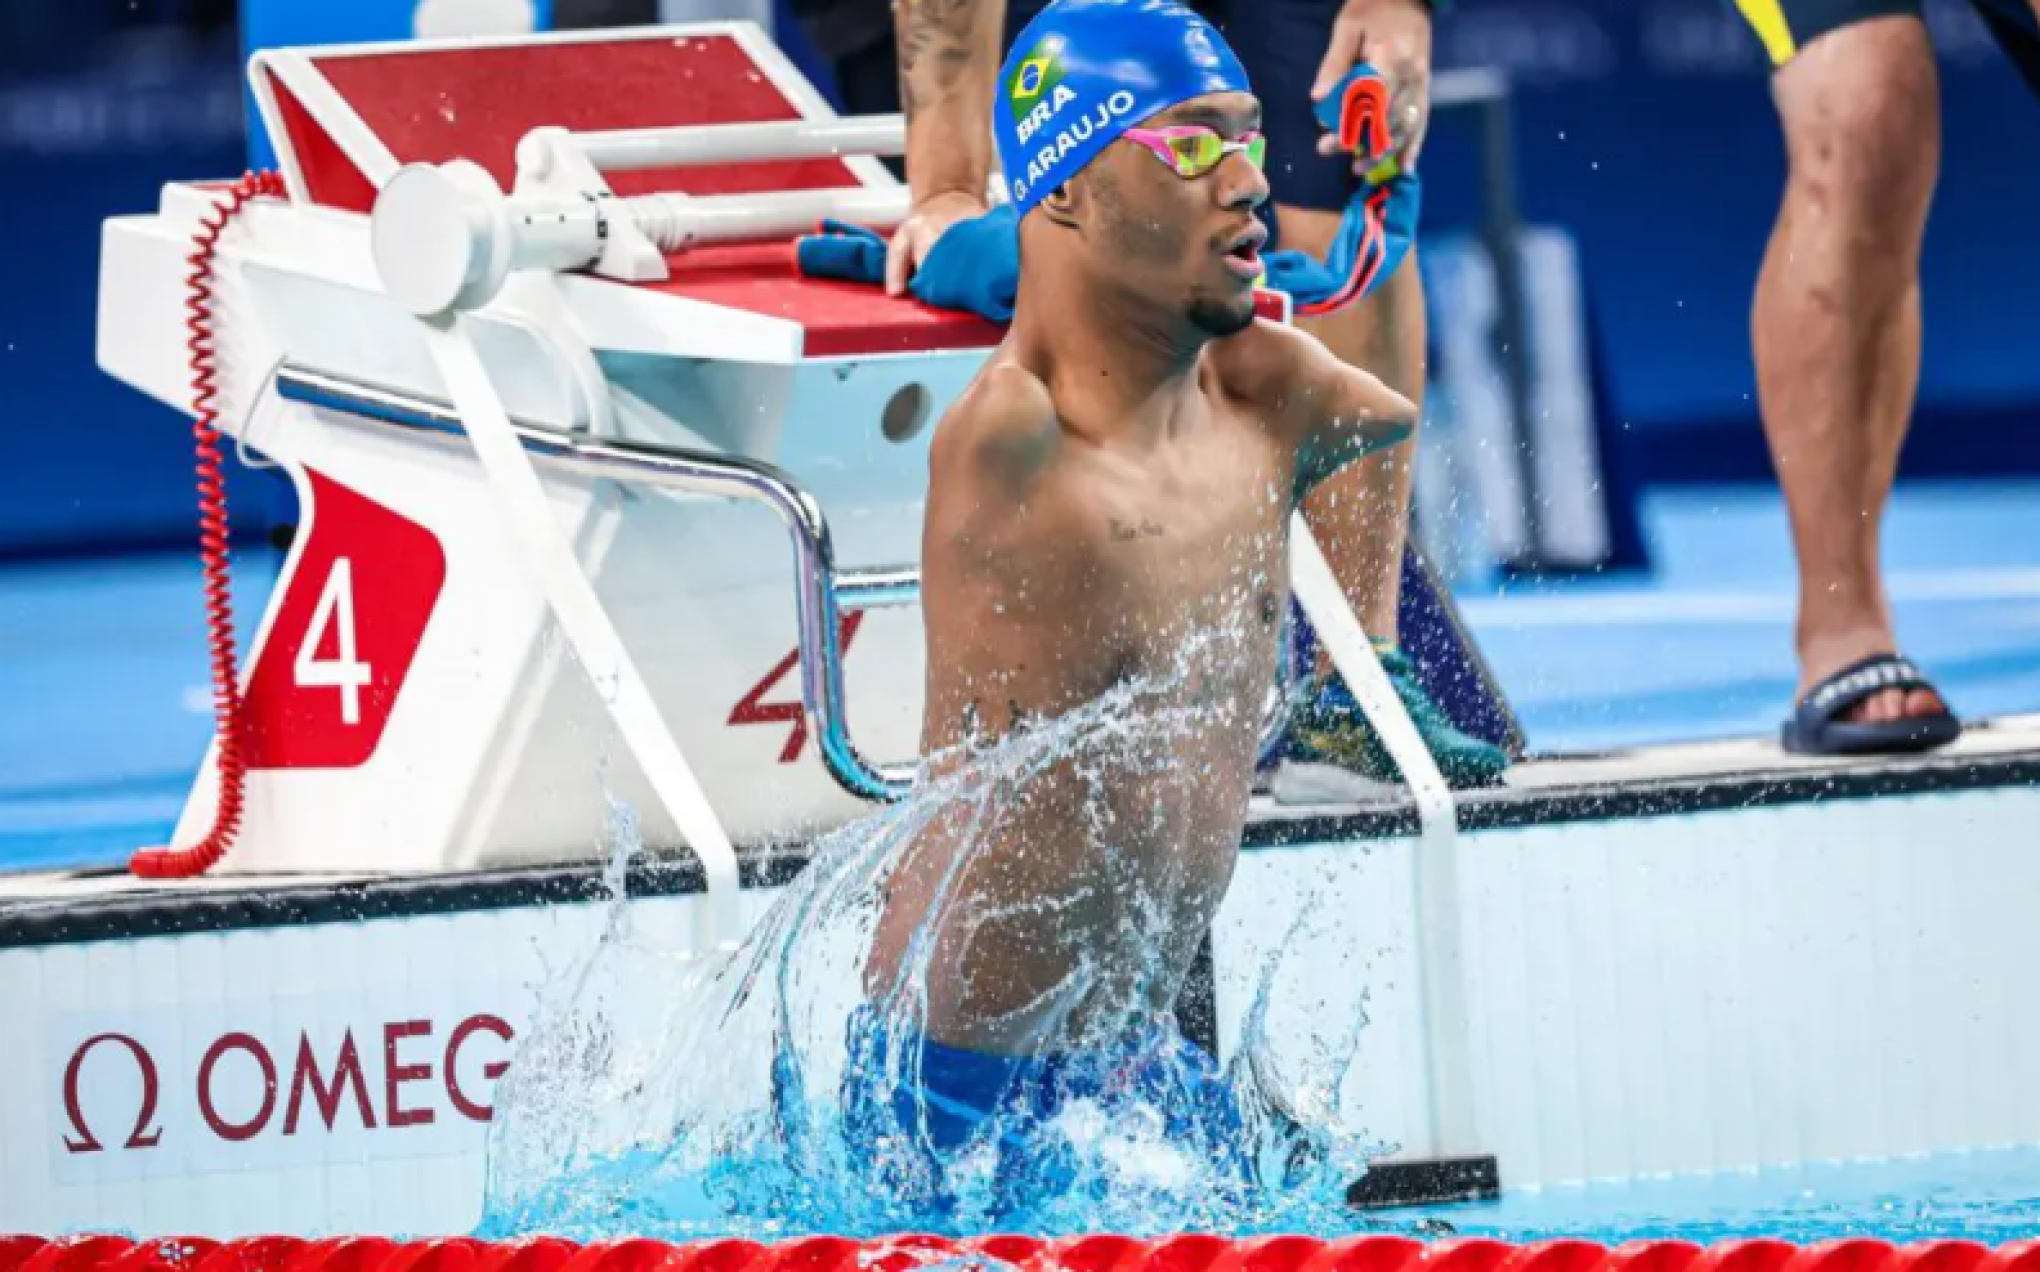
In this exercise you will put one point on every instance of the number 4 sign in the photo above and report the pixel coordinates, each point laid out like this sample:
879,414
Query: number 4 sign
344,671
353,613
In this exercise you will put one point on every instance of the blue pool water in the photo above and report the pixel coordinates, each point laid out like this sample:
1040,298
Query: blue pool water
720,1110
1992,1197
660,1096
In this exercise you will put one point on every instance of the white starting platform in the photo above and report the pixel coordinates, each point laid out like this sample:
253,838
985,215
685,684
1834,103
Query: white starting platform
603,503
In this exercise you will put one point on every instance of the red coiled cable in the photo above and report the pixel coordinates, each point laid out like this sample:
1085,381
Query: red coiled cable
176,863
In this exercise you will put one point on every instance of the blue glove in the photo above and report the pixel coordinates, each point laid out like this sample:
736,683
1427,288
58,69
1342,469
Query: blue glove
974,266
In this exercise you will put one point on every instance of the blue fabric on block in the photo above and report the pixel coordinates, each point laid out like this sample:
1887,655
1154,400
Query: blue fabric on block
974,266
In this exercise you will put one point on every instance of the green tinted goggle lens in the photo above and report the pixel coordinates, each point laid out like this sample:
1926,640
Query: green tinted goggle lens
1198,153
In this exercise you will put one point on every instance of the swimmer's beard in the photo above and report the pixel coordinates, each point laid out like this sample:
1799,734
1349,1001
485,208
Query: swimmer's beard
1219,318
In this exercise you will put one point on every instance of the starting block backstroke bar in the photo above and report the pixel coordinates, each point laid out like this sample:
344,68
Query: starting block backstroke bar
821,590
636,149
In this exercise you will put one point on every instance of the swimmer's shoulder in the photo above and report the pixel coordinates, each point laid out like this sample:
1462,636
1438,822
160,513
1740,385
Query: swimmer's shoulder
1272,367
1001,435
1294,384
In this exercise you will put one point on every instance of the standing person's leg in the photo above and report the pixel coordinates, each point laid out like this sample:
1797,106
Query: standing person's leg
1836,333
1360,516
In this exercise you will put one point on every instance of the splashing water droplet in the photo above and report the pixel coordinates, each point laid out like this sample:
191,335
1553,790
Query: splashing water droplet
758,1094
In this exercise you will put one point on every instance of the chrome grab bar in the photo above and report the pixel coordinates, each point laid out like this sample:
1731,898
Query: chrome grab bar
821,590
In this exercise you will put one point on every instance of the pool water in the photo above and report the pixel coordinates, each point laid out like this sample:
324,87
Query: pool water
1991,1196
658,1095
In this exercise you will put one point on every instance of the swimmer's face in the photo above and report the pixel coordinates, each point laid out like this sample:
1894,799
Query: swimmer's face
1188,243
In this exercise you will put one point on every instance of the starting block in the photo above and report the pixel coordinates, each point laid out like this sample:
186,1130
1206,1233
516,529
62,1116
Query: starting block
690,405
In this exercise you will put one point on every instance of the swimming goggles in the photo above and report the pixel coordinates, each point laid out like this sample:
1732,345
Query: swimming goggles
1191,150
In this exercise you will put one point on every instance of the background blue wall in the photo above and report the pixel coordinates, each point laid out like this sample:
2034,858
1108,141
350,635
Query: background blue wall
1643,125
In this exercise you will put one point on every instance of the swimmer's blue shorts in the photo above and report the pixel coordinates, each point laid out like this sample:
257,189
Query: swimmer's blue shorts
948,1100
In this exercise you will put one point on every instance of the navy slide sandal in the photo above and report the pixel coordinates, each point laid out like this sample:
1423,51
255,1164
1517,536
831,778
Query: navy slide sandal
1815,730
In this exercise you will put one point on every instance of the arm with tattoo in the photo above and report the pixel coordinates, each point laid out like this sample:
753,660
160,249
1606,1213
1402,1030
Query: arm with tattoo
949,59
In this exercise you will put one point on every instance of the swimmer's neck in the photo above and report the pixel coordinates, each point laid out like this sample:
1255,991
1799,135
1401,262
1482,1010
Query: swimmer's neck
1106,359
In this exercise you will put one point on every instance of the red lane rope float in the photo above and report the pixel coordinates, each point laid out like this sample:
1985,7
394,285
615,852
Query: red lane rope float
83,1253
1651,1256
535,1254
1100,1252
1940,1256
180,863
14,1251
163,1254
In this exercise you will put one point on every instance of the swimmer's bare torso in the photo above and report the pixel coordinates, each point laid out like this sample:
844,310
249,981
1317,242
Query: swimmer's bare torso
1065,556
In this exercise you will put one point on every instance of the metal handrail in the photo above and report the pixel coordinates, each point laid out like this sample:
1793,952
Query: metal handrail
821,589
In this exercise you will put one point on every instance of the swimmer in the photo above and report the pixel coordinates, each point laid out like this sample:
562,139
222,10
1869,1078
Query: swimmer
1109,503
936,60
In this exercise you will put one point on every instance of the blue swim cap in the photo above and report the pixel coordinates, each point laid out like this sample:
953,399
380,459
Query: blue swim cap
1085,70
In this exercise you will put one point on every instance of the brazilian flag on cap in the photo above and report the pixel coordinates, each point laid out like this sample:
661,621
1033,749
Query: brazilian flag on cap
1085,70
1037,73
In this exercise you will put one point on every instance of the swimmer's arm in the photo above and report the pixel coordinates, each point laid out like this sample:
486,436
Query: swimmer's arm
1332,413
1347,412
986,464
1355,415
949,58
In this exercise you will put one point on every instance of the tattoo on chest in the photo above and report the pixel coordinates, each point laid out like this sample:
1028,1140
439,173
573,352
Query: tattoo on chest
1271,609
1126,531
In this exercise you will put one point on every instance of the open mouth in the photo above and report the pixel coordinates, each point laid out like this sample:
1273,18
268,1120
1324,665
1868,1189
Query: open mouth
1244,253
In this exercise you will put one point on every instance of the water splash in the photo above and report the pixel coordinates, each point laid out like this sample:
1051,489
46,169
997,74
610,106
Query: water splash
753,1095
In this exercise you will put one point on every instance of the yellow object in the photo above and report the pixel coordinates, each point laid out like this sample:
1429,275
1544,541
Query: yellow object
1767,19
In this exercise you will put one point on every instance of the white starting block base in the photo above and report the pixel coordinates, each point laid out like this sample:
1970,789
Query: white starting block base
409,704
1679,960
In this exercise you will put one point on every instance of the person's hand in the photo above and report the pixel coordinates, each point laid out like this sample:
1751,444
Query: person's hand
917,234
1394,36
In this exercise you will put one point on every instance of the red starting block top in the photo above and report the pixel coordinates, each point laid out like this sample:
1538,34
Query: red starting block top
841,319
347,118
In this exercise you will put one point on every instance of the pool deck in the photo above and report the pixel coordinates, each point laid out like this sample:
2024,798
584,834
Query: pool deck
39,907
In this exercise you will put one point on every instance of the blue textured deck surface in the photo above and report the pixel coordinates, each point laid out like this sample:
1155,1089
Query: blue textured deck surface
107,712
